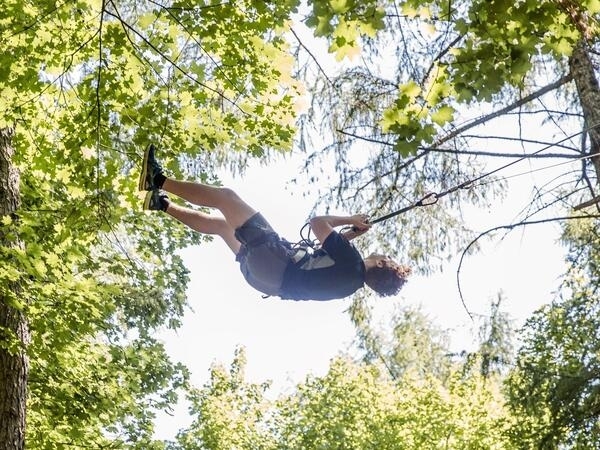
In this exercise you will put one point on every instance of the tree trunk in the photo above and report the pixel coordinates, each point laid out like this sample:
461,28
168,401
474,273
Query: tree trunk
582,71
14,331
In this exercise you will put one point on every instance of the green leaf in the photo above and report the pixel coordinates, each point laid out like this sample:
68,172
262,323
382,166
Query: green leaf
339,6
410,89
443,115
406,148
592,6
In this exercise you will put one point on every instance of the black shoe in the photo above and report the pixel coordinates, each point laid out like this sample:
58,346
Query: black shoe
150,169
156,200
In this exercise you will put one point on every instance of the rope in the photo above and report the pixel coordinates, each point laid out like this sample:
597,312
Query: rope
305,239
427,200
433,197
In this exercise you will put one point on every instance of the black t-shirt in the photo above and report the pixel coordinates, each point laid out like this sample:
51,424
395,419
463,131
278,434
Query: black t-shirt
336,270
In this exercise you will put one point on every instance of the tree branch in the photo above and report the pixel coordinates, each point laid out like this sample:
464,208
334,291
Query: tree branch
500,154
523,140
474,152
311,55
523,101
99,108
126,26
439,56
508,227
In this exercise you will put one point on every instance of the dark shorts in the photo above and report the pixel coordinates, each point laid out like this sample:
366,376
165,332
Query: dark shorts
263,256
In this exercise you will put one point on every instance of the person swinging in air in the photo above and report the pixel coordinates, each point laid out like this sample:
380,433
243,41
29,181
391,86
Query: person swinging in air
269,263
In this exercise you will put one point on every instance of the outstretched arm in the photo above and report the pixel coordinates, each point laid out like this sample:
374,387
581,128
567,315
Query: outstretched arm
322,226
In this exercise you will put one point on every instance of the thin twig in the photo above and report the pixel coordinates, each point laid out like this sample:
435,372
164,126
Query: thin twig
126,26
313,57
507,227
523,101
99,107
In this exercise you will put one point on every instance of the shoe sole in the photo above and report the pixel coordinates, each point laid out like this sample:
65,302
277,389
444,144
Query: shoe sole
147,200
144,174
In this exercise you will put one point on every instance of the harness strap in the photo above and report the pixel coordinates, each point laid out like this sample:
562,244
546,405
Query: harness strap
300,256
300,252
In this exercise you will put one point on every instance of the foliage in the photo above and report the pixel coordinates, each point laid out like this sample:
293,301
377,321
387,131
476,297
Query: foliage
229,412
354,407
344,22
555,382
91,393
496,43
409,342
496,340
87,85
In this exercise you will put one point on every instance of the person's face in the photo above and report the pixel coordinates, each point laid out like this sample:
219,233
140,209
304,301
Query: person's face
383,261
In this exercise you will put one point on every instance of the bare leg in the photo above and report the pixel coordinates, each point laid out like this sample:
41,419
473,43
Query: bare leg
235,210
206,224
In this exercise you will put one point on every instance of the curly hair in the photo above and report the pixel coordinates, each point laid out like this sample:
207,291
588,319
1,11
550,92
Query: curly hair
387,281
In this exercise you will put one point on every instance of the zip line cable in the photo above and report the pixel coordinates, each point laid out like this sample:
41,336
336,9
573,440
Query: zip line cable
432,197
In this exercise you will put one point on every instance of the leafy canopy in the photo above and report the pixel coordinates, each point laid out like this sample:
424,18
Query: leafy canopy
87,85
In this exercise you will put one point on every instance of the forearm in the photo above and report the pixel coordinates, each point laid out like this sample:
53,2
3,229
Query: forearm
350,233
322,226
332,221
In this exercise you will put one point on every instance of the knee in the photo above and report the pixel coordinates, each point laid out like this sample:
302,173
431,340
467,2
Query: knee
228,196
229,193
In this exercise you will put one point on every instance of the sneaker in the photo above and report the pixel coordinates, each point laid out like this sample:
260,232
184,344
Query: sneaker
156,200
150,168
